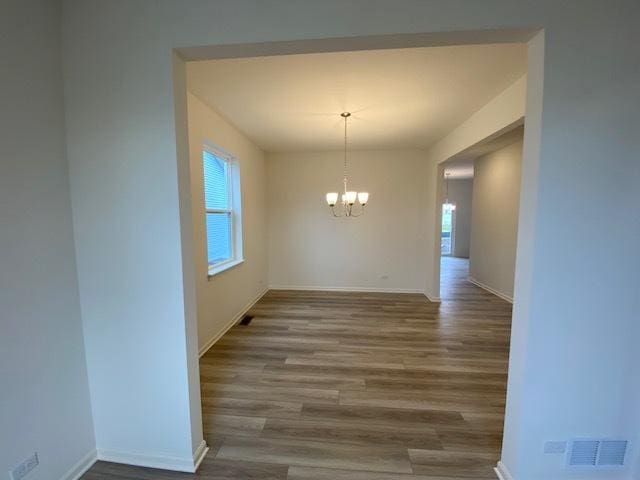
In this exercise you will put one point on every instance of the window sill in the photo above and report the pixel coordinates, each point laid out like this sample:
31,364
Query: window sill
216,269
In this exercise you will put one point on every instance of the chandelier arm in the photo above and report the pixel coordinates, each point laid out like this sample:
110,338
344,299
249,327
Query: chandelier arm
333,210
359,214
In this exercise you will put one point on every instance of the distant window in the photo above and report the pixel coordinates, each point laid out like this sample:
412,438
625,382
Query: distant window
222,207
446,237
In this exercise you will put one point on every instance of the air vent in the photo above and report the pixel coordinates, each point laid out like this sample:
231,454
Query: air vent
597,453
612,452
584,453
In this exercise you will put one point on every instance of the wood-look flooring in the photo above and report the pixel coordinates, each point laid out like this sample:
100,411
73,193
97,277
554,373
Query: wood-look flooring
358,386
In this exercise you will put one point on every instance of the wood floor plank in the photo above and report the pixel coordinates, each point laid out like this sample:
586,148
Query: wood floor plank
316,454
314,473
486,422
459,464
465,440
284,378
333,362
232,424
353,433
250,407
107,470
287,394
426,384
220,469
451,402
382,415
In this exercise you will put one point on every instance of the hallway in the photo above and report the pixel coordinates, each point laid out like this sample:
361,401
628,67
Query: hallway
330,386
454,286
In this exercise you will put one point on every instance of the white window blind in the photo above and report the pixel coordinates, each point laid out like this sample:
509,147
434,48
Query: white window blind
219,208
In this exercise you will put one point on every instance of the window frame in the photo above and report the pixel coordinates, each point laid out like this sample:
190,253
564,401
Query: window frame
234,210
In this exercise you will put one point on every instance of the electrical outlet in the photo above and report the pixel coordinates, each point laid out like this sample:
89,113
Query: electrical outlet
384,277
25,467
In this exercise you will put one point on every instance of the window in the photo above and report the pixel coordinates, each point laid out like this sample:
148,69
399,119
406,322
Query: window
446,237
222,210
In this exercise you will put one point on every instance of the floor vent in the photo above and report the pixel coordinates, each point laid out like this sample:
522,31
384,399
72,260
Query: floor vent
612,452
597,453
246,320
584,453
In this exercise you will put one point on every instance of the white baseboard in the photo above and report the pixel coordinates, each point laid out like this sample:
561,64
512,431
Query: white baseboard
84,464
432,299
503,472
490,290
199,454
163,462
345,289
231,323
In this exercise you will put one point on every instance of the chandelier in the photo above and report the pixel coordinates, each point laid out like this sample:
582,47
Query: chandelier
348,199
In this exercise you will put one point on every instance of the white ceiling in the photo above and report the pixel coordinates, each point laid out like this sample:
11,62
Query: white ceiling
459,170
461,166
400,98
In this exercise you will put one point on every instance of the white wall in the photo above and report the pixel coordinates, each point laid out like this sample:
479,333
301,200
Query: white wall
138,309
224,296
494,223
586,169
44,393
309,248
461,193
120,119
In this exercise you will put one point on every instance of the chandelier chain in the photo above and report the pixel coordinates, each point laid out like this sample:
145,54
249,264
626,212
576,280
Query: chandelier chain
446,176
345,154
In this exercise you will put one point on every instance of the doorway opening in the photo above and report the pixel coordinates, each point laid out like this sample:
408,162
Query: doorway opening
448,233
480,212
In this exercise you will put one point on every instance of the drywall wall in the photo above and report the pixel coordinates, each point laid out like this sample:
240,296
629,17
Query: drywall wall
586,154
494,222
381,250
189,303
135,266
118,72
224,296
44,392
460,193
